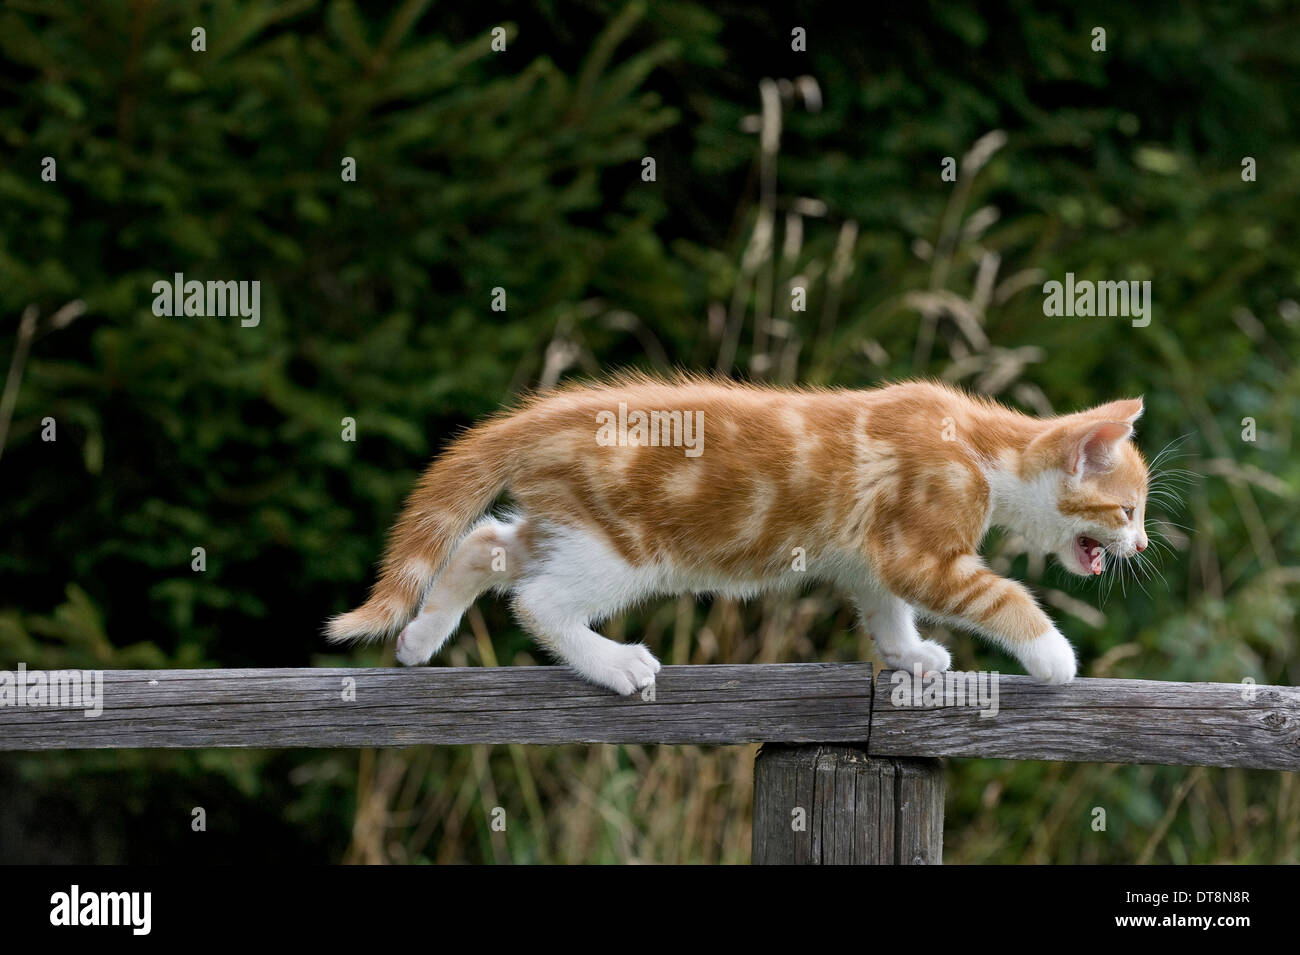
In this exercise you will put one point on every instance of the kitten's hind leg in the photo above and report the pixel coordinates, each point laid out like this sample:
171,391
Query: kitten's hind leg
489,556
621,667
892,624
578,579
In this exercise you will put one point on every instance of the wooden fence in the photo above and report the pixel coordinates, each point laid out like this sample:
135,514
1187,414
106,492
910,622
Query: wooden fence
849,771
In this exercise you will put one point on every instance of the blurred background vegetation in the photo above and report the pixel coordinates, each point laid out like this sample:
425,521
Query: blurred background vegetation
522,169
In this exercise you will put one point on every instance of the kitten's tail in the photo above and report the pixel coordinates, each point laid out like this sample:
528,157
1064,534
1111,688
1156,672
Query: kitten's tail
451,494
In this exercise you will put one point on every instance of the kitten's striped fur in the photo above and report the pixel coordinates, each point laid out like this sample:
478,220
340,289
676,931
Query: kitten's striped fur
886,494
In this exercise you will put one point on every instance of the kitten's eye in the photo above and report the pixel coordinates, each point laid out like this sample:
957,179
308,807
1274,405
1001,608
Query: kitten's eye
1128,513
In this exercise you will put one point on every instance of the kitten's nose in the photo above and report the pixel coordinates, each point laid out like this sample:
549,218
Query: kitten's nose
1142,543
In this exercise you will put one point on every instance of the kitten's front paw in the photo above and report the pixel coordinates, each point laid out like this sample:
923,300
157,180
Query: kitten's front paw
1049,657
930,655
623,668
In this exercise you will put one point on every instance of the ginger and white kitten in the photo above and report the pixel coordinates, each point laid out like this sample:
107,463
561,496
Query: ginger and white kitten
736,489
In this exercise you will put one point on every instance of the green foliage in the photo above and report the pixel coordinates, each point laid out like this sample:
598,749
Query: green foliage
521,170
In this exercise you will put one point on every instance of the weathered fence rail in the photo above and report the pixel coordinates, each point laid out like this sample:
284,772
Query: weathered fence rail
845,749
805,702
1104,721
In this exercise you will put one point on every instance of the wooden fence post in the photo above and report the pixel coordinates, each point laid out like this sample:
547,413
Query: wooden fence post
835,805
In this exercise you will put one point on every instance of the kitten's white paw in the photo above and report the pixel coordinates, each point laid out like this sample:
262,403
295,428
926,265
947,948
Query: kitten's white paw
1049,657
623,668
931,655
422,637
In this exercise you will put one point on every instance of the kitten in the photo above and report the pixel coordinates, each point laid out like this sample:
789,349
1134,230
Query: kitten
638,487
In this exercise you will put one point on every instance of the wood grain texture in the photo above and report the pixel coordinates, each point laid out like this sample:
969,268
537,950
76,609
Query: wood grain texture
799,702
1110,721
1089,720
835,805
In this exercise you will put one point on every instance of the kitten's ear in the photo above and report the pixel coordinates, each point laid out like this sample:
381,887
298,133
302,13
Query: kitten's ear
1126,409
1094,446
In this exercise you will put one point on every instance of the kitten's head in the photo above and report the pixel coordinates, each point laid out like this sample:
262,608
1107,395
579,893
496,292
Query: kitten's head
1101,484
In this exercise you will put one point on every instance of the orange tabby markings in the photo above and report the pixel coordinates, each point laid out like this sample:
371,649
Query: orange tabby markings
887,494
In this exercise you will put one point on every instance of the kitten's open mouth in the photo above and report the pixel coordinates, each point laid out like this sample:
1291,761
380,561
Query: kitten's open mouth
1090,554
